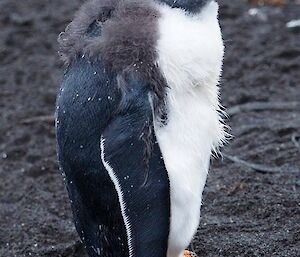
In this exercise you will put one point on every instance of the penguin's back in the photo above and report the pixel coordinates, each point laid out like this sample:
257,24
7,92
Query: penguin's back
81,116
119,193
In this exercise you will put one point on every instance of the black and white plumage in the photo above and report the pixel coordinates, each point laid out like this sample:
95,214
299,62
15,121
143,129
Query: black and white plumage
137,120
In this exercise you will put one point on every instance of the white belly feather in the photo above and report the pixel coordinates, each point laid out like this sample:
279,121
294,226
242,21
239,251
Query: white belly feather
190,52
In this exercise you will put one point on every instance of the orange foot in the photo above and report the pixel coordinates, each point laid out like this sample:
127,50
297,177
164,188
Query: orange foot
189,254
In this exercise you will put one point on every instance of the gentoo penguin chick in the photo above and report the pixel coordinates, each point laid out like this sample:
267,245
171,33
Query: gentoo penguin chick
137,120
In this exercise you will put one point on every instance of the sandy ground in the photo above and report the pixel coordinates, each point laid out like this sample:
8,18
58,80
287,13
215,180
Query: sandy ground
246,211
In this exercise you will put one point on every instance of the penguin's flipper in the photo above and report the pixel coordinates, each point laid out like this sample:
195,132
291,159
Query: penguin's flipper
140,180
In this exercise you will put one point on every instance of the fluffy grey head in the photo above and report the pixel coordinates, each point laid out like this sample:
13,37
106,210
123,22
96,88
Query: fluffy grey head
122,34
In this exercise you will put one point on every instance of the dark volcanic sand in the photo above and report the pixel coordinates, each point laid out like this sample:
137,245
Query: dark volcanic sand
244,213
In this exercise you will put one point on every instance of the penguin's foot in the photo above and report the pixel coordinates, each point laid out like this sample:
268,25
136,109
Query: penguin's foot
189,254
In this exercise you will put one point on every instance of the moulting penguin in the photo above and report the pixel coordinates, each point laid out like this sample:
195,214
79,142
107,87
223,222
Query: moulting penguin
137,120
